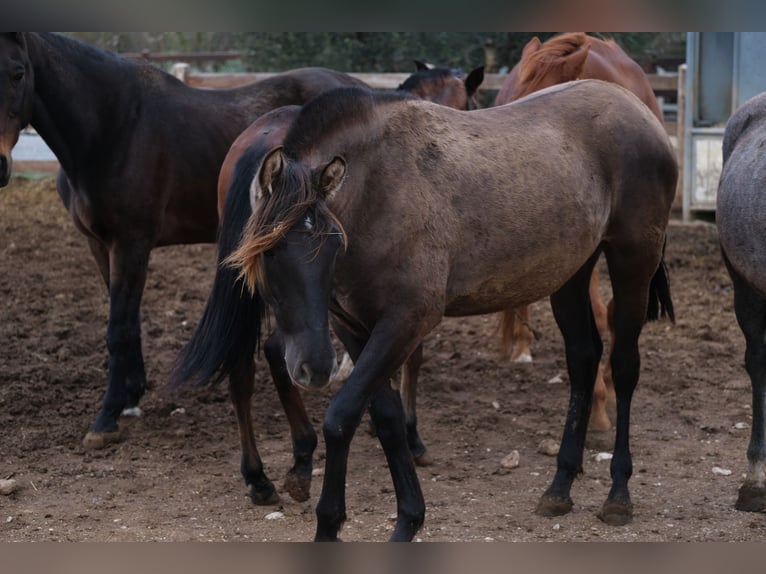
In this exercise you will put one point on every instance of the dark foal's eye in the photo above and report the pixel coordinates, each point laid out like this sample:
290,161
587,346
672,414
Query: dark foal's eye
18,75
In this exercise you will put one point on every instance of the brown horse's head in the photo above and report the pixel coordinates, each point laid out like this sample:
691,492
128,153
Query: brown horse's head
445,87
288,252
16,96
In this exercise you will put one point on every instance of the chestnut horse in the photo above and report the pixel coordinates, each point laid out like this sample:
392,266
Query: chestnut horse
140,154
740,212
560,59
395,180
223,343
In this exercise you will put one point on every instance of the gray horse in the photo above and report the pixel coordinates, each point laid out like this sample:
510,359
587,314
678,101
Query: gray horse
741,216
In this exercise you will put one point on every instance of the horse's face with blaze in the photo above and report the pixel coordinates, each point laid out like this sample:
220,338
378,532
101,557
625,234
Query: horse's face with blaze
16,94
289,252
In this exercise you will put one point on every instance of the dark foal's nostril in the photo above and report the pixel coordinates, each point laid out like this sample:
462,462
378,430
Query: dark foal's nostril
307,373
3,167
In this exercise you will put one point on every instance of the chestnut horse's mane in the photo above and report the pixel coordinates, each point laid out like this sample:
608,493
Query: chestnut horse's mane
534,68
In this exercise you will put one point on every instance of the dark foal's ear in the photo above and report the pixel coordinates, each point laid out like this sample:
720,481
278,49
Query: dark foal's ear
474,80
17,37
271,167
332,178
421,66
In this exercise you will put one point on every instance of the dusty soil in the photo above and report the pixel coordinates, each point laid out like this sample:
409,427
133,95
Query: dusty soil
176,474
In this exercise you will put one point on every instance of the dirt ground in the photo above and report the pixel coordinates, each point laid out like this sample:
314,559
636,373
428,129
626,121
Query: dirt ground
176,477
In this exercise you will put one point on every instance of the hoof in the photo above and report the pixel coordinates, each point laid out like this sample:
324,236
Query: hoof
751,498
522,358
132,412
98,440
298,487
423,459
600,440
267,497
553,505
616,513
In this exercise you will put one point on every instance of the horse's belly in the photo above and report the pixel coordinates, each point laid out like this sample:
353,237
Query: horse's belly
511,288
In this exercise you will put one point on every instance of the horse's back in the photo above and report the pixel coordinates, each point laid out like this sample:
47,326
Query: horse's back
741,198
546,178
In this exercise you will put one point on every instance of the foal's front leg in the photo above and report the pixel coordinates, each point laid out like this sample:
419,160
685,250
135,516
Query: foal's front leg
386,348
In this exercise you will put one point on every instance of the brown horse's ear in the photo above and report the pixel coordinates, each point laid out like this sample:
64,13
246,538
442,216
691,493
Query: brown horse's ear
271,168
532,46
574,63
332,178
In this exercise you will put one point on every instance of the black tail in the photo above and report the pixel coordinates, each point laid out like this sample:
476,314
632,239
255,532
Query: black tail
660,303
230,327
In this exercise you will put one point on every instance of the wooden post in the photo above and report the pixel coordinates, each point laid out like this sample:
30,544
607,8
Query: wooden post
680,135
180,71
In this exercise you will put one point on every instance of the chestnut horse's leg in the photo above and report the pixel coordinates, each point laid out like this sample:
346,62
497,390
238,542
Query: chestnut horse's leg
241,381
583,346
750,309
388,347
127,378
517,336
298,479
600,424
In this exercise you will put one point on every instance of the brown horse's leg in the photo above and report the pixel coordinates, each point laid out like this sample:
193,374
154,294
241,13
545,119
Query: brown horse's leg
127,377
298,479
408,391
262,491
583,346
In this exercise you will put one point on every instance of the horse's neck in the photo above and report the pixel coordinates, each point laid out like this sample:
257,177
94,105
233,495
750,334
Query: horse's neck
74,98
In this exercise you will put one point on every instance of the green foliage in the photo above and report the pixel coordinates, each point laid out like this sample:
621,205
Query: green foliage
362,51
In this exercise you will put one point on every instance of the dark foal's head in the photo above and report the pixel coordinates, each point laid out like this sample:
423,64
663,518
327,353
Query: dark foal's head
288,252
16,96
444,86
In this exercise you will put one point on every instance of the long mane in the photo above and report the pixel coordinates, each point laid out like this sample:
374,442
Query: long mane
292,194
295,190
550,57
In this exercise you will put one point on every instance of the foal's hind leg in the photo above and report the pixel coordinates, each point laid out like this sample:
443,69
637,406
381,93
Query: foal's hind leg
630,282
241,380
298,479
408,391
572,311
750,309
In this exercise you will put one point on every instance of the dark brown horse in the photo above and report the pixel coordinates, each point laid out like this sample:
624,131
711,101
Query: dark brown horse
740,212
140,154
224,340
560,59
444,212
